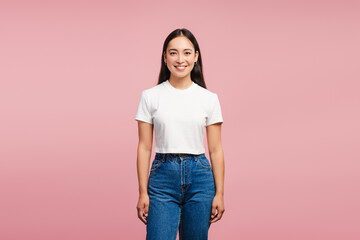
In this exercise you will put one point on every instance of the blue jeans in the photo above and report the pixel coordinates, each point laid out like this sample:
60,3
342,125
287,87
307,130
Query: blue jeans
181,188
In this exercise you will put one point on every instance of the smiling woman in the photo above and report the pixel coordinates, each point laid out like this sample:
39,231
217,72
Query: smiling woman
183,191
180,59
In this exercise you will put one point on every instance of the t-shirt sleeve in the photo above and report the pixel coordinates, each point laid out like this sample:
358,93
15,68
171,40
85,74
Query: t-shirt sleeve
143,112
215,115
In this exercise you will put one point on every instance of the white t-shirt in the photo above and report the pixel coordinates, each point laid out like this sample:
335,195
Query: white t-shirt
179,116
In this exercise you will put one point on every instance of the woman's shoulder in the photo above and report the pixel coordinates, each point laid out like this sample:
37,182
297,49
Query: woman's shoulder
153,91
205,92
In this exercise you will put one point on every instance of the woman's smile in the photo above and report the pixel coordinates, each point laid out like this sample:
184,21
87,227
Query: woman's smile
180,68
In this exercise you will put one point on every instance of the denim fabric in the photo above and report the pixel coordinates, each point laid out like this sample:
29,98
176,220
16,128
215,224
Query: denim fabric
181,188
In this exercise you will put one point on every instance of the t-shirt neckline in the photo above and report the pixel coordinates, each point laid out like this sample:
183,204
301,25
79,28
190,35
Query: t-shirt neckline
168,84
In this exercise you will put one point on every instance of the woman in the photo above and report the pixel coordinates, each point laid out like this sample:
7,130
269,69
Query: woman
183,191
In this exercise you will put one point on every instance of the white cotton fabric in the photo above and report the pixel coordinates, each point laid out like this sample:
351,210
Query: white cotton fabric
179,116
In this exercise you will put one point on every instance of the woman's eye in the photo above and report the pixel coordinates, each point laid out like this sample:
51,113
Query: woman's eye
187,53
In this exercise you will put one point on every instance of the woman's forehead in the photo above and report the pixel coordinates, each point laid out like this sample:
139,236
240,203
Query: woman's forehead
180,43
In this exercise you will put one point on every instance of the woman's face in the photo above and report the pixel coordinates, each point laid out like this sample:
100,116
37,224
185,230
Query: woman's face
180,57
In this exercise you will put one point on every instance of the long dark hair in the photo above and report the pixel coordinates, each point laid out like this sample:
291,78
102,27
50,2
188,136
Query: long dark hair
196,74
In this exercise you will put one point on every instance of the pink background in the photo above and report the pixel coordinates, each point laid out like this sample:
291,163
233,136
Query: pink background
287,76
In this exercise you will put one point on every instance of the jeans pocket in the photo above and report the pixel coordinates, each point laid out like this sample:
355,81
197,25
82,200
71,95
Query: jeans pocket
156,165
204,162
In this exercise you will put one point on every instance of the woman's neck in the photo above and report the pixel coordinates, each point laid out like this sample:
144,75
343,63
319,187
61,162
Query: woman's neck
180,83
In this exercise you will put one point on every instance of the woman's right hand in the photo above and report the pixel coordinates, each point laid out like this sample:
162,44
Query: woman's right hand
143,207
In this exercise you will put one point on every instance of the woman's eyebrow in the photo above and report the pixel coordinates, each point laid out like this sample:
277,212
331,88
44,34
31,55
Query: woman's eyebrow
184,49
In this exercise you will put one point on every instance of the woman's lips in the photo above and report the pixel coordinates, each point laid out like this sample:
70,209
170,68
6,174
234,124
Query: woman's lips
182,68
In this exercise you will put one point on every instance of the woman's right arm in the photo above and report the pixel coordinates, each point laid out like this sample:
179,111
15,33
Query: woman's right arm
145,132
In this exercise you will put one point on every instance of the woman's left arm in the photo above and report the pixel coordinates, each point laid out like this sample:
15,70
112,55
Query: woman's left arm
216,153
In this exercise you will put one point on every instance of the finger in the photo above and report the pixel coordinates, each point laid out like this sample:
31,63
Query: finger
145,218
213,211
215,219
146,210
141,216
218,216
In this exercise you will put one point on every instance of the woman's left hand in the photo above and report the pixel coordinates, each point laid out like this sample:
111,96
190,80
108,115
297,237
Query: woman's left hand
217,204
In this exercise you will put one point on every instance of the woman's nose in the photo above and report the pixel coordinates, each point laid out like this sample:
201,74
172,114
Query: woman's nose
180,57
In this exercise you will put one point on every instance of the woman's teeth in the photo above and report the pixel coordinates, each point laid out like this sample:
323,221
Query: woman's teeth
180,68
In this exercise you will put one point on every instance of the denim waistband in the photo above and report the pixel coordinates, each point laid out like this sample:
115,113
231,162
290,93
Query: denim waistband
179,156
